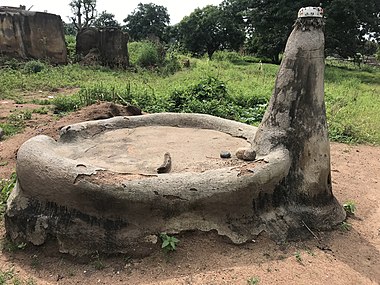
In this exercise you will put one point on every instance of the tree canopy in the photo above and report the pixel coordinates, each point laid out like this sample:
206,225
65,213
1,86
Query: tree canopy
147,21
268,24
106,20
69,29
260,27
348,25
84,13
210,29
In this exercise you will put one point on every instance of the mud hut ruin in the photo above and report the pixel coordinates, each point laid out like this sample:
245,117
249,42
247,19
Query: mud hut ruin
32,35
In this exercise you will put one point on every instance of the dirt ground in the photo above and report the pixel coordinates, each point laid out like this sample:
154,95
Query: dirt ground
337,257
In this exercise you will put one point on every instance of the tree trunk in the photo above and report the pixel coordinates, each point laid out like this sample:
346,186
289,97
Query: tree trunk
276,58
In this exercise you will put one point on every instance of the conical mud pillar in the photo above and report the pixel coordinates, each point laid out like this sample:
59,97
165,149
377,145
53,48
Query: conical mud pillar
296,121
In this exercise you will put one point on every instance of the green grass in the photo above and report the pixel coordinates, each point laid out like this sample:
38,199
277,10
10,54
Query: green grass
9,277
6,187
10,129
352,94
15,122
42,110
253,281
345,227
298,256
97,262
350,207
353,101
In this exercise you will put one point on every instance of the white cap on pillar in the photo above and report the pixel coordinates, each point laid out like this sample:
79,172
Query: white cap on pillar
310,12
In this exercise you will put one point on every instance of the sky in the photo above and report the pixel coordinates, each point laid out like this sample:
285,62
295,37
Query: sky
177,9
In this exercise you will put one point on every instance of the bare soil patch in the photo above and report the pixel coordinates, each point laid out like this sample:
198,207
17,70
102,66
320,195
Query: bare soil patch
337,257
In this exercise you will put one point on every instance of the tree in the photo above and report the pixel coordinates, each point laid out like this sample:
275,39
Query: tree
84,13
233,29
369,48
69,29
268,24
348,23
210,29
106,20
146,21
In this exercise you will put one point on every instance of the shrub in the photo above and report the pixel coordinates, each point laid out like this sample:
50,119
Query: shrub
145,54
148,57
71,47
210,96
20,116
344,133
169,243
171,65
34,66
97,92
13,63
208,92
133,51
66,103
121,94
231,56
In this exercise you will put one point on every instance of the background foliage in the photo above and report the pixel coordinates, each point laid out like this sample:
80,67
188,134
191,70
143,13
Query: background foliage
253,27
147,21
230,86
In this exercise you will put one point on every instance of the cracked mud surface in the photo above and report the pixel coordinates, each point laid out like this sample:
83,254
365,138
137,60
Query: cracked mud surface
141,150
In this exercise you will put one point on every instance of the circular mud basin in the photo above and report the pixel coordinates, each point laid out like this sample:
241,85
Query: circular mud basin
142,149
98,189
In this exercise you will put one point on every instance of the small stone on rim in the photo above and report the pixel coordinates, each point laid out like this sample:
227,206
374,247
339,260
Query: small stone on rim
225,154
